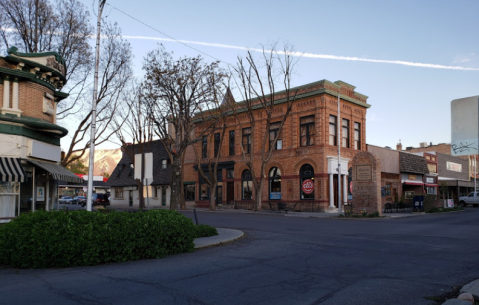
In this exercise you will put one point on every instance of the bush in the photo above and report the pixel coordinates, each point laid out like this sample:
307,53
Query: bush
205,231
80,238
430,202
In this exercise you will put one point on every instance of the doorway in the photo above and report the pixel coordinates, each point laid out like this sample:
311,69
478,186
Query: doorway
230,192
219,195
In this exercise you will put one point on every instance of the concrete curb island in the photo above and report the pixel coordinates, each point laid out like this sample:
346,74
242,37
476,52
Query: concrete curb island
224,236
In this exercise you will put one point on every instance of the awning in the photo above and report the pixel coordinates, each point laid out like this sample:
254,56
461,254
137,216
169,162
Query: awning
412,182
430,185
11,170
58,172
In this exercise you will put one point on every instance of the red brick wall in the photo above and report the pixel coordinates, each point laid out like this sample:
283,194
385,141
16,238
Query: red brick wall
31,100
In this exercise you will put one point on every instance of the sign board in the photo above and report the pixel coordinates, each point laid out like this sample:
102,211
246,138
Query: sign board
455,167
275,195
307,186
450,203
40,193
148,166
412,177
363,173
464,126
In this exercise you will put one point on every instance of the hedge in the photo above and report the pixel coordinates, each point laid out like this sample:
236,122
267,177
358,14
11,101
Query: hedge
79,238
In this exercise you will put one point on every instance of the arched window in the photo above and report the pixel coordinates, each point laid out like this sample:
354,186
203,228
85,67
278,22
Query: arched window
274,183
246,185
306,173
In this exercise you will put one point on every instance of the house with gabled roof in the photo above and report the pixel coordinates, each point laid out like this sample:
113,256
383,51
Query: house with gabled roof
124,186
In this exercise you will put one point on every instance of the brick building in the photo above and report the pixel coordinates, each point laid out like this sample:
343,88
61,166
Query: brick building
306,150
30,152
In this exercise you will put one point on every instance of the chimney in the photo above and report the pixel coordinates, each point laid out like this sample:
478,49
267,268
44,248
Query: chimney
399,146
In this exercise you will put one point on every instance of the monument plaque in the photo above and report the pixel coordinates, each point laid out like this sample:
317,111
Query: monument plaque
363,172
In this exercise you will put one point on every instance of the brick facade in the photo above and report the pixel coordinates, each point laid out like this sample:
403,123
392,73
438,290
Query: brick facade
319,101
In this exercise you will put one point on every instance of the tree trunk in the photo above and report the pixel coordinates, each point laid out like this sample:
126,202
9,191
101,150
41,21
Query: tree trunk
213,196
258,198
177,197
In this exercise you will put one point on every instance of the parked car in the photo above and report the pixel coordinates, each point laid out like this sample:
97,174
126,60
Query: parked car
98,199
470,199
66,199
78,200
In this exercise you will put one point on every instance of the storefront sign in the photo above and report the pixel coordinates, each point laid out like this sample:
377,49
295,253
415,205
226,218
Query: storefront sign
308,186
275,195
363,173
450,203
455,167
412,177
40,193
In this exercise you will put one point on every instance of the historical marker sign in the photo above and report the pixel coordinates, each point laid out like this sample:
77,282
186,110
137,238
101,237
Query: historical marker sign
363,172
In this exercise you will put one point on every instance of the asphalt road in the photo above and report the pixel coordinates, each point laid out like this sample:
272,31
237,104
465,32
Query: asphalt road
282,260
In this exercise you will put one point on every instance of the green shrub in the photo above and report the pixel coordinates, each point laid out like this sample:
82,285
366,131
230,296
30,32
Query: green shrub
80,238
430,202
205,231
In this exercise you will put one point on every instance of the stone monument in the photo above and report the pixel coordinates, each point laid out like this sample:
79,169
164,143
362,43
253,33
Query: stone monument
366,181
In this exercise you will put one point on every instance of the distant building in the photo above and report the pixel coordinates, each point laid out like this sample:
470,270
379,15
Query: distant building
30,87
124,187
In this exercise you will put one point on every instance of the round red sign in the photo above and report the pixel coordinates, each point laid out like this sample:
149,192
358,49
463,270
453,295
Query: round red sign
308,186
351,187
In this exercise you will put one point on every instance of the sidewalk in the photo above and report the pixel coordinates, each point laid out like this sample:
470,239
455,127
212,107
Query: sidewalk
299,214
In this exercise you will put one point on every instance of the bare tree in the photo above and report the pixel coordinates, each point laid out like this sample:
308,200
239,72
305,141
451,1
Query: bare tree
262,104
215,120
177,90
115,73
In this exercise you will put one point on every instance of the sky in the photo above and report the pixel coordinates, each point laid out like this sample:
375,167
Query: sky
436,41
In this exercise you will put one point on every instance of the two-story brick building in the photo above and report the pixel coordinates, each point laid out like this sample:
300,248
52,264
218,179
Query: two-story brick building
306,150
30,138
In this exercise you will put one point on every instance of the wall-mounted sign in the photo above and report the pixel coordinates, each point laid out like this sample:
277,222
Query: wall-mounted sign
40,193
412,177
307,186
429,180
455,167
363,173
275,195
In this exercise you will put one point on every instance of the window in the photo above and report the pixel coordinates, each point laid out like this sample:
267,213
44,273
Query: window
154,191
273,132
307,130
274,183
164,164
204,148
357,136
230,174
217,143
431,190
190,192
246,185
306,173
247,140
232,142
119,192
345,134
204,191
332,130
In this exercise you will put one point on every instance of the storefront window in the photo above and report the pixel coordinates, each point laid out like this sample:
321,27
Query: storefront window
204,191
306,172
274,183
190,192
247,185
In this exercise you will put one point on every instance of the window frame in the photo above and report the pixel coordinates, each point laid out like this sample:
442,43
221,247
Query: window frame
345,133
204,147
357,139
275,131
309,136
272,177
246,137
333,136
232,142
217,138
249,183
303,175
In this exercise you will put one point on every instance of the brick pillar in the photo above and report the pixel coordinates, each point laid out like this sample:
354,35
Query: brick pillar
6,93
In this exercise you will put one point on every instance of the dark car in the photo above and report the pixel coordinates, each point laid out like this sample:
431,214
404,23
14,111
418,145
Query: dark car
99,199
78,200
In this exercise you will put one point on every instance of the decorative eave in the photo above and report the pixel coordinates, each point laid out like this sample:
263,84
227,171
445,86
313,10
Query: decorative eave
38,124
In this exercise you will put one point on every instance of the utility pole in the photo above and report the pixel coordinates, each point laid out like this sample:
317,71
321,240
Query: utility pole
101,5
339,155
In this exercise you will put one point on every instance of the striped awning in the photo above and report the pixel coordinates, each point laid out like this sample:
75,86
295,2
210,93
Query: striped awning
58,172
11,170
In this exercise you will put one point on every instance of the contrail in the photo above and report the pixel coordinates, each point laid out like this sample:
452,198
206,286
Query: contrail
311,55
302,54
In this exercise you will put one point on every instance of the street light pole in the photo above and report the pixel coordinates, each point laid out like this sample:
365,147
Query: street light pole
101,4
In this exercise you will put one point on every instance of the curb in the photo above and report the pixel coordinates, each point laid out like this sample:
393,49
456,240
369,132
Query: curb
224,236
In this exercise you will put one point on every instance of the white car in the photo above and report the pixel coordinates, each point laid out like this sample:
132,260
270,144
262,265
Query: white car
65,199
470,199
